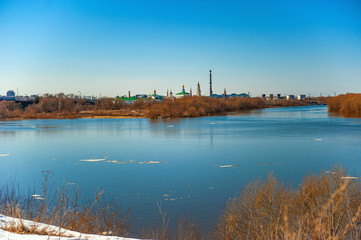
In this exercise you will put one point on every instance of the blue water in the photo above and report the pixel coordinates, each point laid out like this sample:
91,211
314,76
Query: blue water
188,178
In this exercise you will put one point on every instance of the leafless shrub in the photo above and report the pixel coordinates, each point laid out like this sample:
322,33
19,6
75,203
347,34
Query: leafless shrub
64,209
348,105
186,229
325,207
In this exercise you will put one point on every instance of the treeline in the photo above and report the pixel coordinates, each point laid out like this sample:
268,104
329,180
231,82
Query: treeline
44,107
60,106
348,105
196,106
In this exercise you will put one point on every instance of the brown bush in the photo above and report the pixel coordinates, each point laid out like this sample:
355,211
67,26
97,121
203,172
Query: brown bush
325,207
63,208
348,105
10,109
196,106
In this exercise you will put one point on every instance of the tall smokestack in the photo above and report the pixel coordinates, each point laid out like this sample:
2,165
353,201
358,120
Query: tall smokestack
210,83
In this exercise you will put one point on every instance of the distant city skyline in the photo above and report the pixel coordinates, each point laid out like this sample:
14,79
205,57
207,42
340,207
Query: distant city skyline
112,47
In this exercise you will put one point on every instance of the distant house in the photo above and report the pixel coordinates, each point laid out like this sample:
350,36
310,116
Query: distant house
10,96
230,95
290,97
183,93
156,96
301,97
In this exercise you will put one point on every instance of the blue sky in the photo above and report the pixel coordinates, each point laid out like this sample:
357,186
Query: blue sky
110,47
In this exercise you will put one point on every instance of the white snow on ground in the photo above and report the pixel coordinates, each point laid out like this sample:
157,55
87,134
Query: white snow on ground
68,235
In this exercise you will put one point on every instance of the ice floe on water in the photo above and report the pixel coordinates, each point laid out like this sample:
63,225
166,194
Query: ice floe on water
349,177
92,160
170,126
37,197
318,139
152,162
4,155
212,123
228,166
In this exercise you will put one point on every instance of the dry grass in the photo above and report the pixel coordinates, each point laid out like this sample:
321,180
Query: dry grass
64,209
325,207
186,229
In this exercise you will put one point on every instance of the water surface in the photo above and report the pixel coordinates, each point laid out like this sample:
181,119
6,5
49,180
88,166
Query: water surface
185,155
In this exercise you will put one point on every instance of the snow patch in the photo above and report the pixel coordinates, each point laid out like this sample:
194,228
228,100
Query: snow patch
67,234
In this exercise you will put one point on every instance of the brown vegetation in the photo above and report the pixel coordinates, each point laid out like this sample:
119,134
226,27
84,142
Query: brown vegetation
201,106
186,229
348,105
61,107
325,207
64,209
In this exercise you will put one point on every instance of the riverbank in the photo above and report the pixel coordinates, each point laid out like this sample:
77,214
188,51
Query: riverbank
62,234
347,105
187,107
326,205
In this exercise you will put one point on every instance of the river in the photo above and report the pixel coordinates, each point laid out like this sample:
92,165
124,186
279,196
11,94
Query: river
188,166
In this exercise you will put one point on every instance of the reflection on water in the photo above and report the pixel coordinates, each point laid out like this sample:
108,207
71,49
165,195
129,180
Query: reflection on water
186,164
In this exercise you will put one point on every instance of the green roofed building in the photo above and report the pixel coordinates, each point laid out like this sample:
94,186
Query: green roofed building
182,93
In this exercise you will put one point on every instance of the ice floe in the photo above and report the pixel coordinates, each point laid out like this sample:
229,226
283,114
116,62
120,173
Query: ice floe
92,160
318,139
349,177
228,166
4,155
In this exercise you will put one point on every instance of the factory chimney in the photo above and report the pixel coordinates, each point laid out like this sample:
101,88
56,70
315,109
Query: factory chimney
210,83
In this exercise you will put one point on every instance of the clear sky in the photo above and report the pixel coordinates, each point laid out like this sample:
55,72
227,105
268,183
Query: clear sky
110,47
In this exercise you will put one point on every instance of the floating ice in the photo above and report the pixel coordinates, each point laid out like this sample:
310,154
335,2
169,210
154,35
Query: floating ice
92,160
212,123
228,166
170,126
318,139
39,198
349,177
113,161
4,155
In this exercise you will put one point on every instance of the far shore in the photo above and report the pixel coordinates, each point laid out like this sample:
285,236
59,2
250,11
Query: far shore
187,107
